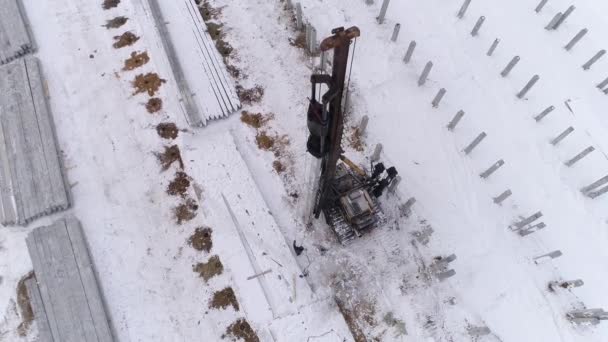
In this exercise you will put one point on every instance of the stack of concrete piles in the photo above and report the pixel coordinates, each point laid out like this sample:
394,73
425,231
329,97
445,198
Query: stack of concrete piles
31,180
64,294
15,38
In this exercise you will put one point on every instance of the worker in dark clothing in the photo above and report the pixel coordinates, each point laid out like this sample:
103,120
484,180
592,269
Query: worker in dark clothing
297,249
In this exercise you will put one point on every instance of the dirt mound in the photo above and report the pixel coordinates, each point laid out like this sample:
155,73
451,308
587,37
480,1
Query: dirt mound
179,185
154,105
126,39
116,22
249,96
351,321
242,330
210,269
186,211
216,34
264,141
224,298
25,308
214,30
201,239
167,130
107,4
356,141
255,120
233,70
149,83
208,12
278,166
267,142
136,60
299,41
170,156
223,47
276,144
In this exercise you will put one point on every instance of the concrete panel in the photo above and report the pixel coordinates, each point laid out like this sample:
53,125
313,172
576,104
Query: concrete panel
15,37
71,302
31,179
207,91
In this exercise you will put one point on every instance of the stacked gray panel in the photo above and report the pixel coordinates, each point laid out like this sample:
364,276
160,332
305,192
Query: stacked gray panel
69,307
15,38
222,86
31,180
220,99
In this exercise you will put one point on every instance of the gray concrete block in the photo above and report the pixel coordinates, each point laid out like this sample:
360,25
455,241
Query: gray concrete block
31,178
70,302
15,36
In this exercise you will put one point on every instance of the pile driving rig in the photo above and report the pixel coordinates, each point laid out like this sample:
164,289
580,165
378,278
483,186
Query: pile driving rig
347,195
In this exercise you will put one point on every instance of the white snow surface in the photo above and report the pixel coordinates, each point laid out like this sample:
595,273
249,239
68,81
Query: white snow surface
145,266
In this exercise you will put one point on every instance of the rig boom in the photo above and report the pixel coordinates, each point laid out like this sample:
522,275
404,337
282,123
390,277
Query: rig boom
344,189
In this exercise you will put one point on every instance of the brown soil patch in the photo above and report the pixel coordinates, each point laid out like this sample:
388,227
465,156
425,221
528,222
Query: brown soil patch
107,4
249,96
214,30
126,39
167,130
217,35
299,41
149,83
356,141
233,70
179,185
25,308
201,239
264,141
136,60
170,156
223,47
186,211
351,322
116,22
242,330
255,120
208,12
276,144
222,299
279,167
154,105
210,269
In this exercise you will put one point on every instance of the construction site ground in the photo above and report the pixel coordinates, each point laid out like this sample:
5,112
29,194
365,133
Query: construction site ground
167,256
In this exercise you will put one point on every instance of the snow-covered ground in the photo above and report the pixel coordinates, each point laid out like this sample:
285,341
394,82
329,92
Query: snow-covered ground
141,254
497,284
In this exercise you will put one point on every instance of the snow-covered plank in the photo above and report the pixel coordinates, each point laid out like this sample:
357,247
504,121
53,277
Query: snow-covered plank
31,179
15,39
206,89
46,130
88,278
71,301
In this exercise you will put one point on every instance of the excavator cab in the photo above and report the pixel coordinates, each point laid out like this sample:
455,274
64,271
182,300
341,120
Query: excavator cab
359,209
